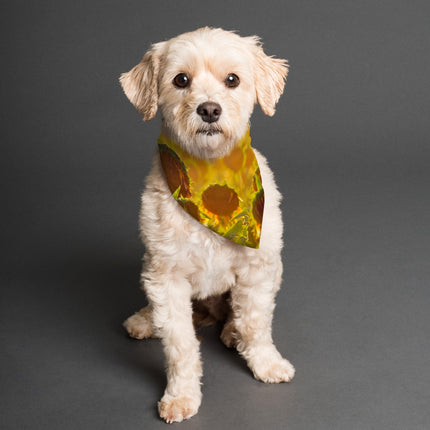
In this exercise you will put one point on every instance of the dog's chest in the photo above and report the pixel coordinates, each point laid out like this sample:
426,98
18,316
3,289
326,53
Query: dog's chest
215,275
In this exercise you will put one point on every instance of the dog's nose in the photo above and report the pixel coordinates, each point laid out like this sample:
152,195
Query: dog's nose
209,111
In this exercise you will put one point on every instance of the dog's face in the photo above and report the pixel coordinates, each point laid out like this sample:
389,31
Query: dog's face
206,84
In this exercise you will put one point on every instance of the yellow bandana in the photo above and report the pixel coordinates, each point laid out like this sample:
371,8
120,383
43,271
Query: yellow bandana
224,194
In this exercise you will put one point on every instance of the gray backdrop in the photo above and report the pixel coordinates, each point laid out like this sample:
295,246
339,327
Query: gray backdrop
349,146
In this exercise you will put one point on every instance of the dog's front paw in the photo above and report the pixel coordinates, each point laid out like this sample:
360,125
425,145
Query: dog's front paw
176,409
274,369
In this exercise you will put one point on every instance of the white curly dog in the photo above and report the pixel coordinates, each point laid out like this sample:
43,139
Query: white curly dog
191,273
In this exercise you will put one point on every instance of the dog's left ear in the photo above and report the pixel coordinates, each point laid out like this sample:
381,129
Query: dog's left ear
140,84
270,76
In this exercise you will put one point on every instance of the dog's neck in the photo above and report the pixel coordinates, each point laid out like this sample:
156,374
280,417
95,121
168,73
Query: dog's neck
224,194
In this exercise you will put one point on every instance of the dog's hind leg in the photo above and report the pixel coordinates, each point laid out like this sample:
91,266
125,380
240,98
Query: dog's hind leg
205,312
139,325
211,310
229,333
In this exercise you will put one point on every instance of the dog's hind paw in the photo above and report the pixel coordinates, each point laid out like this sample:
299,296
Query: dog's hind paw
176,409
228,335
139,325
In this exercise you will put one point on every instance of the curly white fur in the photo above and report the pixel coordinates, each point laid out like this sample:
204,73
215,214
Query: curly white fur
184,260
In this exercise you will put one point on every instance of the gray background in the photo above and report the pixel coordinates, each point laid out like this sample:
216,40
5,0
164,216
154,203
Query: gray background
349,146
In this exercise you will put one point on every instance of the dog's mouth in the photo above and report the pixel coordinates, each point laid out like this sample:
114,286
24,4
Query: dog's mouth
209,131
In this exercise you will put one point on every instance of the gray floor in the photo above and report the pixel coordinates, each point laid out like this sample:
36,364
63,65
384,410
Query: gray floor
349,146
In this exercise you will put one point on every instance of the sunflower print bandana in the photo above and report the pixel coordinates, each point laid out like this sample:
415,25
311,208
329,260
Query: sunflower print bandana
225,194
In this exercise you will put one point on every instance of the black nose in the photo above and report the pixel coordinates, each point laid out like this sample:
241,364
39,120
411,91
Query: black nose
209,111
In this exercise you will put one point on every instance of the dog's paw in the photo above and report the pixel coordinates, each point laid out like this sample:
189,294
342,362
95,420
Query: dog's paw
274,371
139,325
177,409
228,336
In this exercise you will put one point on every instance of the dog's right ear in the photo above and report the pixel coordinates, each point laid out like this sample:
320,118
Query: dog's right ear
140,84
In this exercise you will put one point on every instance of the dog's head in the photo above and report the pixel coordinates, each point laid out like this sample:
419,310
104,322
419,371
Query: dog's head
206,84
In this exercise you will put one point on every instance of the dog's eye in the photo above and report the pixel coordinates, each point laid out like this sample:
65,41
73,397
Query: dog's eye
232,80
181,80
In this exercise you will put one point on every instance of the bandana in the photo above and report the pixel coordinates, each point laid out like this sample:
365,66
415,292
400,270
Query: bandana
224,194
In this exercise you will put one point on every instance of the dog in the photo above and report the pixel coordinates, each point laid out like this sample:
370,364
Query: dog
205,84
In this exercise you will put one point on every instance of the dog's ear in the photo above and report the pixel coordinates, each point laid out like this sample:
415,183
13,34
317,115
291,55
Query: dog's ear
270,76
140,84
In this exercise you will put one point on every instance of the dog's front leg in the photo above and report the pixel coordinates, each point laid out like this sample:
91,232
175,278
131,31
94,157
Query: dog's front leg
253,304
170,297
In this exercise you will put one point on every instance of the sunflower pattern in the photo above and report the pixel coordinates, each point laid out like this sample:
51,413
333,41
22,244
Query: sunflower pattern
226,194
